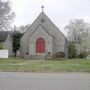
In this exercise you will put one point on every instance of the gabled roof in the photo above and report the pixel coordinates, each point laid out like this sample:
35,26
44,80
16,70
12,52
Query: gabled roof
48,25
3,35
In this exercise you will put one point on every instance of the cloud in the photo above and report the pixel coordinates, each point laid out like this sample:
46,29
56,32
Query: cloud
59,11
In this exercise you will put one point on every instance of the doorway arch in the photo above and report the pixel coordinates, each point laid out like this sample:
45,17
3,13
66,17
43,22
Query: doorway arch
40,45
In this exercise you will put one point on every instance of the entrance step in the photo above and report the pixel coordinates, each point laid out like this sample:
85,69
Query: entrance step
37,57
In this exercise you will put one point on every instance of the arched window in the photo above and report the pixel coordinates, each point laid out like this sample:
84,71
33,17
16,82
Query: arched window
40,45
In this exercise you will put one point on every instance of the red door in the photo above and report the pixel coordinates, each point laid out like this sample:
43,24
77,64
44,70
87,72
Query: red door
40,45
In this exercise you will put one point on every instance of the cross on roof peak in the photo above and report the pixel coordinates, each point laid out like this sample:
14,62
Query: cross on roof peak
42,8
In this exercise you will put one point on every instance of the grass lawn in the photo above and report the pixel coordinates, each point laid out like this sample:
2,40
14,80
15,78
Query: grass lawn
60,65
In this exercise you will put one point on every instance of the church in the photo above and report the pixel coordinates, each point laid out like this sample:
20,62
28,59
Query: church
42,39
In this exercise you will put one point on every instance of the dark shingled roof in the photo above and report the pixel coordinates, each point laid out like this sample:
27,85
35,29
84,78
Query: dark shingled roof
3,35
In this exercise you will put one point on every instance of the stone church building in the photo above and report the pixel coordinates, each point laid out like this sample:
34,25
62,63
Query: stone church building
42,39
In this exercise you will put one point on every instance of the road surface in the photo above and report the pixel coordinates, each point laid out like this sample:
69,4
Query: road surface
44,81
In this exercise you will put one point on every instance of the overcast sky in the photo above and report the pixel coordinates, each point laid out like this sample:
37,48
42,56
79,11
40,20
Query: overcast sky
59,11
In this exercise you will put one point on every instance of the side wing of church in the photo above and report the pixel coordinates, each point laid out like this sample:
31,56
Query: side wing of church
43,38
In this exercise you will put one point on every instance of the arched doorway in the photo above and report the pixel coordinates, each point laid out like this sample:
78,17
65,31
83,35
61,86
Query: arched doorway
40,45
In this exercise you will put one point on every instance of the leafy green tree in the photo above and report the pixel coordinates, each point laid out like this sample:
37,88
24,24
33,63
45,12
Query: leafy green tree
16,41
1,45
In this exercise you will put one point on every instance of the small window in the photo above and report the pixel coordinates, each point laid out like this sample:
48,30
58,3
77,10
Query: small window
42,20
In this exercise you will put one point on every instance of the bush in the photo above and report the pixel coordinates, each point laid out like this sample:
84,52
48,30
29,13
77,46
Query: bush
72,52
1,45
82,54
60,55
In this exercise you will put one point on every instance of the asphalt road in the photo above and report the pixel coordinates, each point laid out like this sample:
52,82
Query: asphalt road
44,81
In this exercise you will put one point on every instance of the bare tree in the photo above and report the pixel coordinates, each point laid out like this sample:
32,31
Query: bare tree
76,29
78,32
22,29
6,15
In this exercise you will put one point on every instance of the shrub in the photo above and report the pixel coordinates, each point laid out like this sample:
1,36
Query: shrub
72,52
60,55
82,54
1,45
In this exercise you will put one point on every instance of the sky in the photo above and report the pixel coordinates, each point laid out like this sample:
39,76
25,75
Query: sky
59,11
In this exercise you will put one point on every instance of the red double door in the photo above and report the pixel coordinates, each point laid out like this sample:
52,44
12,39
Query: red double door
40,45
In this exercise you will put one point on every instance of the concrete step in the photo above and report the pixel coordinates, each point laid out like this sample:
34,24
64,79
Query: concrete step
37,57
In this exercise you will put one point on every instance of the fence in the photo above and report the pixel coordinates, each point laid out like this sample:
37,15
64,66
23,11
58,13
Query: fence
4,54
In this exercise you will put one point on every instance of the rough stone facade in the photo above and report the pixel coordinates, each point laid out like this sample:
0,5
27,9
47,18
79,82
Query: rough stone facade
42,27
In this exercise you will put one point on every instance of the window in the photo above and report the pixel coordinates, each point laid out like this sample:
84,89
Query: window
42,20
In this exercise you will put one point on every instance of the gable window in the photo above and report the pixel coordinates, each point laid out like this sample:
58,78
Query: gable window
42,20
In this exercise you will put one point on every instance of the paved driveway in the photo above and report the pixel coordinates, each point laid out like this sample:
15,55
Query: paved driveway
44,81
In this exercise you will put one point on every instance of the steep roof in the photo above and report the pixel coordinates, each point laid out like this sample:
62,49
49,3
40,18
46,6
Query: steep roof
3,35
45,21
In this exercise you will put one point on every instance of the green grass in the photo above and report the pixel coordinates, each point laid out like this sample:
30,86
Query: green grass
59,65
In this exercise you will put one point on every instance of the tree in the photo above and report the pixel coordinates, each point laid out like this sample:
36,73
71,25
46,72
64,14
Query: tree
72,52
23,29
16,41
1,45
6,15
77,29
78,32
17,34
